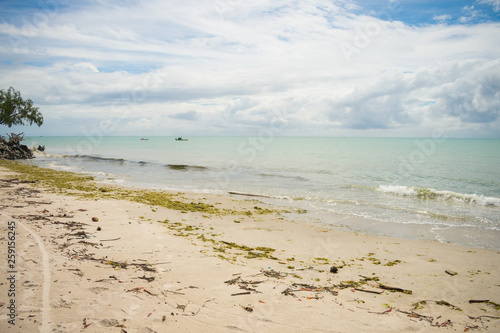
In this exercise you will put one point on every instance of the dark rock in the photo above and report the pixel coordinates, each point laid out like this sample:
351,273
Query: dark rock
13,149
334,269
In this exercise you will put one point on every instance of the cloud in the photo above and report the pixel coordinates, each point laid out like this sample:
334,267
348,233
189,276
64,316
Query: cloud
238,67
470,14
494,3
189,115
85,67
442,18
464,91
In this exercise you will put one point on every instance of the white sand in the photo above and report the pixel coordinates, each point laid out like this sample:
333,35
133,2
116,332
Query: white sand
69,283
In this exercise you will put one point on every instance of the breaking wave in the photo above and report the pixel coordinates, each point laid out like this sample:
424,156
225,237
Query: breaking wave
426,193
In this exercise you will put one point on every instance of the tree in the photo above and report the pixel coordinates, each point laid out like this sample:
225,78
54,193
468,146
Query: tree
14,110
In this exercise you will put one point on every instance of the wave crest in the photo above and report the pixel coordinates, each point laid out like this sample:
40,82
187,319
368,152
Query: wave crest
426,193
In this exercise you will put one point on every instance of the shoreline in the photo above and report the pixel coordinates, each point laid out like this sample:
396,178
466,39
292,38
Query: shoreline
396,211
207,262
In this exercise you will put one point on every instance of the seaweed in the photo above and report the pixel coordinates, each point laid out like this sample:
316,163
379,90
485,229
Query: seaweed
262,211
84,186
451,306
251,253
495,305
392,263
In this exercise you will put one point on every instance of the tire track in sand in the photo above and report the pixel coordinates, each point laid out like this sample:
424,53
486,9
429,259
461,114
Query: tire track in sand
46,326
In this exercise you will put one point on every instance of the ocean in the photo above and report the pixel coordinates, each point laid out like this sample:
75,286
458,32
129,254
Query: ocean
441,189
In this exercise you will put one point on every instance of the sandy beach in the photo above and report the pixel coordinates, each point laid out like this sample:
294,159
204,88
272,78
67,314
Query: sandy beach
121,260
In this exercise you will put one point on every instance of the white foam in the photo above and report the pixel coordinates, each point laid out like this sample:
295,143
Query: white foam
397,189
430,193
57,166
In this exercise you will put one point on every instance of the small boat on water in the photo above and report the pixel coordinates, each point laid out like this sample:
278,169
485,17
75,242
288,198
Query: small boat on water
180,139
144,139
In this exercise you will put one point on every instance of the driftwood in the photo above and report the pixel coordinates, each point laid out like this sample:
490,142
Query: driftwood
401,290
369,291
12,149
244,293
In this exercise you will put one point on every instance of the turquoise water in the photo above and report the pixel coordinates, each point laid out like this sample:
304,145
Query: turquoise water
439,189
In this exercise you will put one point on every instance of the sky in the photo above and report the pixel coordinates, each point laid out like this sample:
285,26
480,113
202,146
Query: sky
393,68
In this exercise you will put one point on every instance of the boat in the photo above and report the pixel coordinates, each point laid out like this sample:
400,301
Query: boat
180,139
144,139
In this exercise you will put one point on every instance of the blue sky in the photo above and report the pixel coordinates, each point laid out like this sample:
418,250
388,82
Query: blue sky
424,12
239,67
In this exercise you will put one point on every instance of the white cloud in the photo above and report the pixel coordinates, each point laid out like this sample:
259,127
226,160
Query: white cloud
461,90
234,67
442,18
494,3
470,14
85,67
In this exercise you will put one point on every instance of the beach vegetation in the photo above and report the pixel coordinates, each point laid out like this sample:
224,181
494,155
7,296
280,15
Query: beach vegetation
419,305
164,199
473,272
447,304
265,249
204,239
226,258
351,284
326,260
53,179
219,249
14,110
190,228
392,263
84,186
248,252
262,211
425,193
375,278
495,305
237,246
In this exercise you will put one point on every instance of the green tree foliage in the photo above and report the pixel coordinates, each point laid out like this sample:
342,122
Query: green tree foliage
16,111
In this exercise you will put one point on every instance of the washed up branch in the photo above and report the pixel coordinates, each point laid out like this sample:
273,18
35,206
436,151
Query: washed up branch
369,291
417,315
238,294
401,290
139,289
